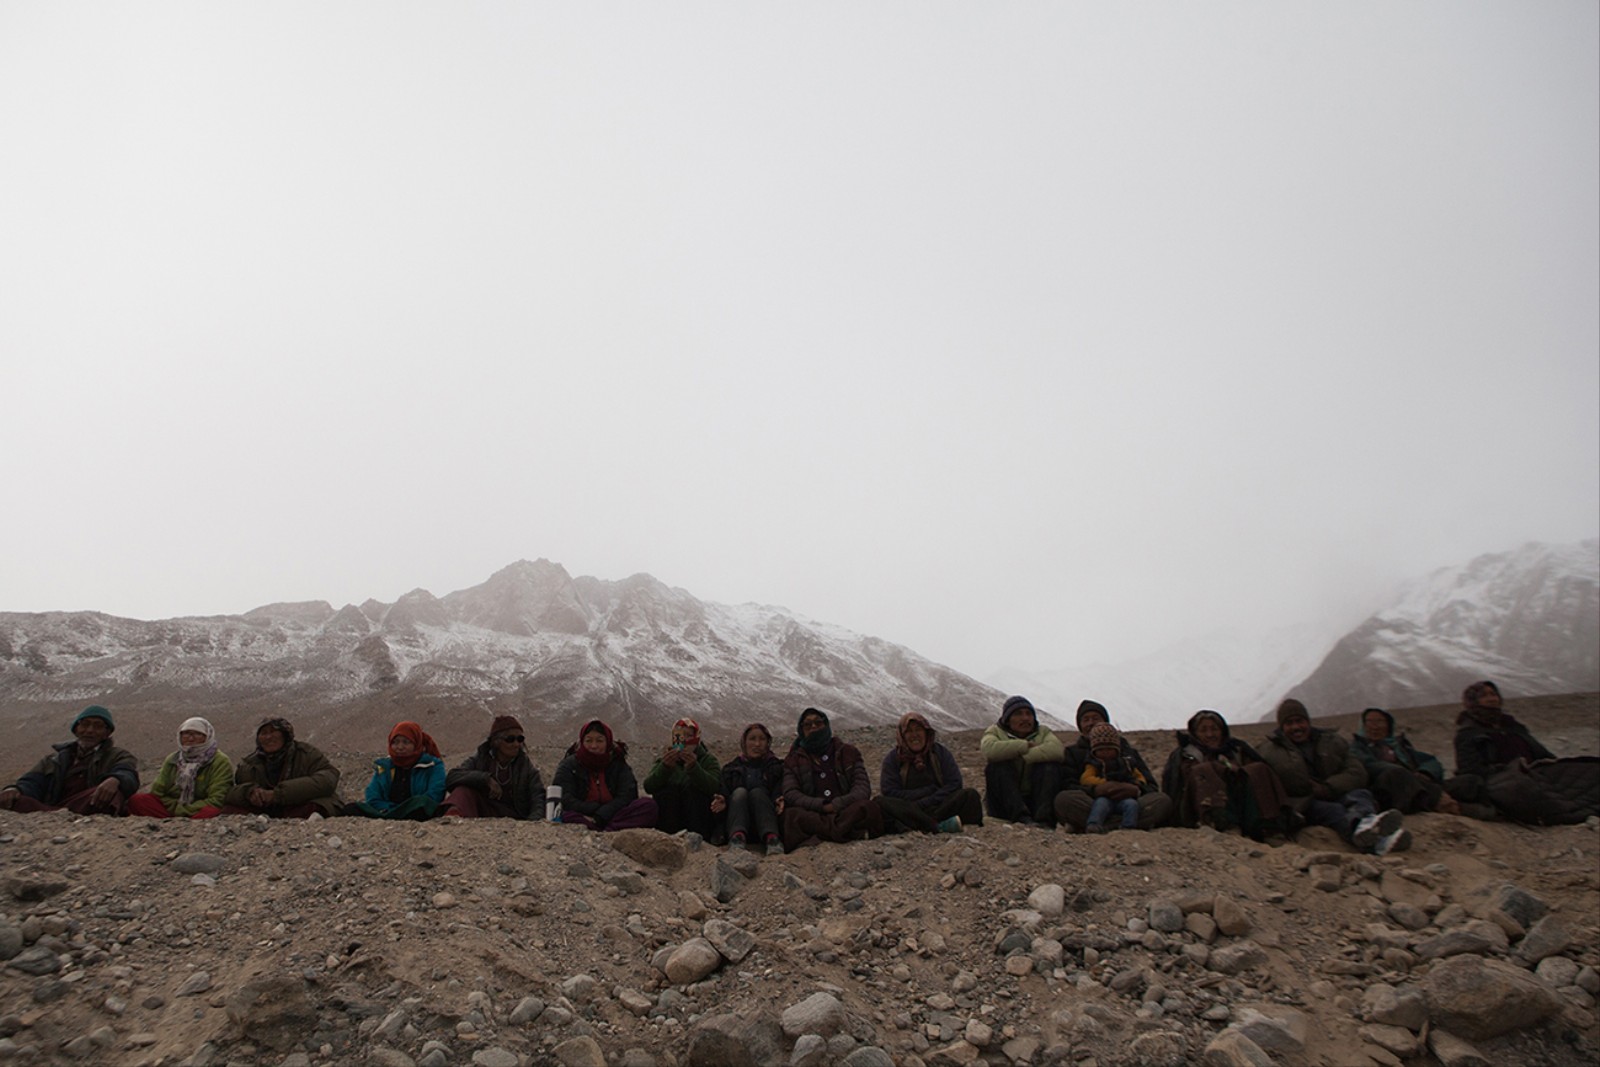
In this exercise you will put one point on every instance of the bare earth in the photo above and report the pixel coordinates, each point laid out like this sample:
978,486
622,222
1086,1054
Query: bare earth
349,941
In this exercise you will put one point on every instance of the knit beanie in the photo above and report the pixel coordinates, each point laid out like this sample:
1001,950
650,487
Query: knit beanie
95,711
505,724
1104,734
1292,709
1092,705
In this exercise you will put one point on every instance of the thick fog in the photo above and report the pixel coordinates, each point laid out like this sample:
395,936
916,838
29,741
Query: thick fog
1024,335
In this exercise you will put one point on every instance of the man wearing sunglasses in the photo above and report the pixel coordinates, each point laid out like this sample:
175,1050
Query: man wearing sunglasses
498,781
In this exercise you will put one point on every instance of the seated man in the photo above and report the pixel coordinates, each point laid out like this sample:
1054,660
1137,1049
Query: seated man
1022,766
1500,762
1327,784
89,776
1398,774
1072,804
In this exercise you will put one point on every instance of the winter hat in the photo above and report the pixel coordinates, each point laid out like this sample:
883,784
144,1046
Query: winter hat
1470,696
1292,709
95,711
1105,735
504,724
1014,705
1095,706
1207,713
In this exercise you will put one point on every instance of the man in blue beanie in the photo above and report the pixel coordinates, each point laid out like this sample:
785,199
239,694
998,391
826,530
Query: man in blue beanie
88,775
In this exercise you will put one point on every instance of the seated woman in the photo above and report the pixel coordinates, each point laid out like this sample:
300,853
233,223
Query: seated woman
283,778
1498,760
408,783
683,780
752,791
1075,800
1217,780
920,785
1022,774
598,789
827,792
1399,775
193,782
498,781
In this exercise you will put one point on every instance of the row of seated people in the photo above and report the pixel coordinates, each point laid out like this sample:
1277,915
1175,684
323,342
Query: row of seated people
821,791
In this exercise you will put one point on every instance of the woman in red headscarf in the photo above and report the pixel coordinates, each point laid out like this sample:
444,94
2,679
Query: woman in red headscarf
408,783
598,789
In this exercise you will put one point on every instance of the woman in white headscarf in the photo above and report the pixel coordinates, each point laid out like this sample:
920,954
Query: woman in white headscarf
193,780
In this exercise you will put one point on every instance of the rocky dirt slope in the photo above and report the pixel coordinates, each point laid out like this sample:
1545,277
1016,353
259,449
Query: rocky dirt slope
236,941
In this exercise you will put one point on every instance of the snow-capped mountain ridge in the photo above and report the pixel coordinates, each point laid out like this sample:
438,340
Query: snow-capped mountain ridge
530,640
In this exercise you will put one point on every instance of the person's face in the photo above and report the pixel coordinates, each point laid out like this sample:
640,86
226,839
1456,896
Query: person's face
1020,722
594,743
91,731
1208,732
812,724
1377,725
1297,729
916,737
756,744
681,736
191,738
1089,720
1489,699
269,740
401,745
506,746
1106,753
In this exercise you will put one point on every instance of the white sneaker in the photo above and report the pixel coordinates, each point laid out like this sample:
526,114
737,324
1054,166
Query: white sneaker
1373,827
1398,841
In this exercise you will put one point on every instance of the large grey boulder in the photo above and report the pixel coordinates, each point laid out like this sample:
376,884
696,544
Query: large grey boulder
1479,998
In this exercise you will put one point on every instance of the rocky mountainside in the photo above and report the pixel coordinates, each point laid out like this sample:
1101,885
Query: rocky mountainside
313,944
531,641
1529,619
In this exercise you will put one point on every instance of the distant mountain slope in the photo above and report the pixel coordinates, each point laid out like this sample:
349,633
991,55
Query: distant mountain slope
531,641
1529,618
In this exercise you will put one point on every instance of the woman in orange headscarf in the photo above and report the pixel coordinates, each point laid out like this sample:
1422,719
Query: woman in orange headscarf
408,783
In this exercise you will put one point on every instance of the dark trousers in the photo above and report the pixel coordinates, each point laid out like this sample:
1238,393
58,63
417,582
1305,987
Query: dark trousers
684,809
79,803
752,808
802,826
1409,791
1072,809
1005,798
1343,814
903,814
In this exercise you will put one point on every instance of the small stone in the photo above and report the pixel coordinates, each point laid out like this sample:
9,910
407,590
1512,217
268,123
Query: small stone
1232,1049
1201,926
731,941
198,982
581,1051
1397,1039
820,1013
1231,959
527,1010
1547,937
978,1034
692,961
1327,877
1049,900
1452,1051
1232,920
1017,966
494,1056
198,863
1165,916
446,899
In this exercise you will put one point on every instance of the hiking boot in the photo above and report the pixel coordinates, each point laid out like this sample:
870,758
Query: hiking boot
1398,841
952,825
736,842
774,847
1369,830
1095,828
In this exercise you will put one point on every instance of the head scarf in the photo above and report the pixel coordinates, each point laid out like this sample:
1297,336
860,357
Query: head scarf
815,744
1207,713
1380,711
589,759
908,756
744,737
420,743
272,763
693,729
190,758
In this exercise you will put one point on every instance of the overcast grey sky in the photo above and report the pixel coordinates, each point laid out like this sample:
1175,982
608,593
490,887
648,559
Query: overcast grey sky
1019,334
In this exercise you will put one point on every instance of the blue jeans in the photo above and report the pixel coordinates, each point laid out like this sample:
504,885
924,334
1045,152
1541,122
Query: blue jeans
1102,807
1342,814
